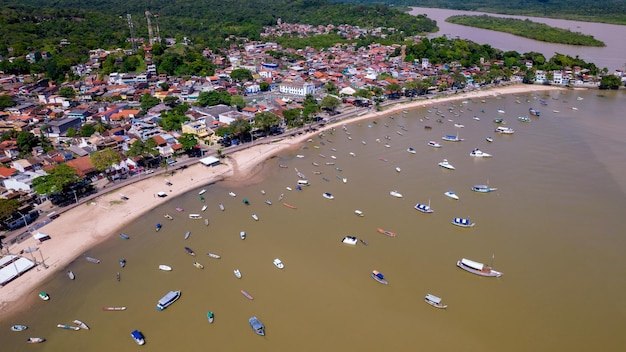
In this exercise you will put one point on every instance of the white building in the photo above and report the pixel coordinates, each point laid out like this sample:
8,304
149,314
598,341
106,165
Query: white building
297,88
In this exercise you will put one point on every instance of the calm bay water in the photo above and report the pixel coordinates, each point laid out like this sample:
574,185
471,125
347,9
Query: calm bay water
553,228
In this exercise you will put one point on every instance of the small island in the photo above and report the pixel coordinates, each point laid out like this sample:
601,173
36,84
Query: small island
527,29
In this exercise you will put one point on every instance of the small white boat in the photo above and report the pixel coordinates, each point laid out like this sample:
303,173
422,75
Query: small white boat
396,194
68,327
19,327
476,118
500,111
434,144
255,217
483,188
35,340
242,235
237,273
458,125
451,194
81,325
504,130
138,337
289,188
445,164
165,267
187,234
477,153
462,222
262,191
351,240
268,202
204,207
213,255
398,169
71,275
352,154
279,264
411,150
328,195
424,208
232,194
206,222
221,207
359,213
195,216
434,301
489,139
299,156
202,192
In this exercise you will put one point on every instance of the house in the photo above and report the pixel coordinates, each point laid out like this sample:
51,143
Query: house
296,88
59,127
83,166
197,128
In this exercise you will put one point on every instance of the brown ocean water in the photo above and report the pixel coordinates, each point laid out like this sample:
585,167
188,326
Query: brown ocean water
554,228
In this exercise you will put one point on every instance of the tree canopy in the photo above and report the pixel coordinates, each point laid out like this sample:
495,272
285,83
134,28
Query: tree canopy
8,207
104,159
265,120
56,180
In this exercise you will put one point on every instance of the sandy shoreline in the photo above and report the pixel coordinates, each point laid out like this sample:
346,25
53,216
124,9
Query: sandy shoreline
69,241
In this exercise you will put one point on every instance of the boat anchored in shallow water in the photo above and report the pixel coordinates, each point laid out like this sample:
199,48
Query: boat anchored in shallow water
462,222
138,337
477,268
168,299
451,194
483,188
257,326
446,165
378,276
434,301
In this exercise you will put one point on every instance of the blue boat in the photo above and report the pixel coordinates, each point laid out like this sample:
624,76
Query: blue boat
452,138
462,222
423,207
138,337
483,188
168,299
158,227
124,236
257,326
122,262
378,276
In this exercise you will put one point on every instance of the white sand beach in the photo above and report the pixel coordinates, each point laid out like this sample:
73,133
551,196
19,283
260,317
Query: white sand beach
69,239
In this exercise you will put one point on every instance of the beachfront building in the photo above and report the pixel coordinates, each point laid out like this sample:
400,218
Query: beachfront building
296,88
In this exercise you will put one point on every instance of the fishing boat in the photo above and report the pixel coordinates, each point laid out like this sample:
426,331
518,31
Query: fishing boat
93,260
423,207
210,317
124,236
278,263
81,325
462,222
268,202
328,195
351,240
118,277
168,299
168,216
255,217
411,150
386,233
165,267
237,273
398,169
396,194
195,216
434,144
483,188
138,337
458,125
257,326
158,227
122,262
232,194
202,192
179,209
202,199
434,301
246,201
187,234
68,327
247,295
35,340
206,222
359,213
290,206
523,119
504,130
477,268
451,194
489,139
446,165
44,296
190,251
71,275
213,255
534,112
204,207
364,242
242,235
477,153
198,265
113,309
378,276
221,206
19,327
498,120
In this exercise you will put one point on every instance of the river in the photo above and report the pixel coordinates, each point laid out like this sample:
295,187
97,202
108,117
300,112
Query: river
553,228
613,56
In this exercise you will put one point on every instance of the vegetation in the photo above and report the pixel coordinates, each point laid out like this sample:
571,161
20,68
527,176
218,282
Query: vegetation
606,11
173,120
56,180
8,207
266,120
104,159
527,29
139,148
610,82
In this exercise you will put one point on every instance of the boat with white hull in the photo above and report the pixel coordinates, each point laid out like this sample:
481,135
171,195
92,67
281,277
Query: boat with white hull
462,222
477,268
446,165
168,299
434,301
477,153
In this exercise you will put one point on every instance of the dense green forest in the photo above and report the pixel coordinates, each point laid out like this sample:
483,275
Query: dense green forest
604,11
527,28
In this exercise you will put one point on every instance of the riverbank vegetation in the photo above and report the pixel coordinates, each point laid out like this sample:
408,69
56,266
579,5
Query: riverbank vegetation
605,11
527,29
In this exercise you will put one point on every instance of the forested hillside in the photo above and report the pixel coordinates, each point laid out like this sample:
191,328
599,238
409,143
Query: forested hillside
607,11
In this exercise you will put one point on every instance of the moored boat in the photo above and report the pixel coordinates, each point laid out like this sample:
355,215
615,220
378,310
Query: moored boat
479,153
114,309
190,251
71,275
477,268
187,234
255,217
202,192
386,233
489,139
158,227
446,165
210,317
93,260
247,295
168,299
19,327
81,324
138,337
237,273
411,150
423,208
351,240
221,206
483,188
290,206
198,265
124,236
44,296
359,213
278,263
168,216
195,216
204,207
434,144
462,222
504,130
232,194
396,194
122,262
68,327
242,235
213,255
328,195
206,222
257,326
452,138
378,276
434,301
35,340
165,267
451,194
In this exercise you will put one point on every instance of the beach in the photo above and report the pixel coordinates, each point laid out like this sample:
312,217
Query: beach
87,225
